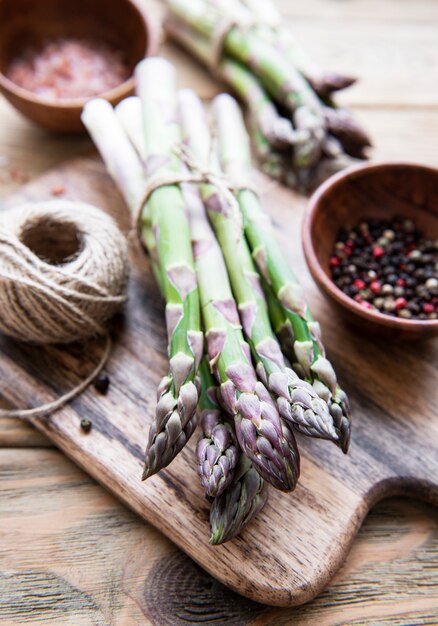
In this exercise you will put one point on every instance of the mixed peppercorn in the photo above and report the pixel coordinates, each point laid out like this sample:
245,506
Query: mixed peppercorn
388,266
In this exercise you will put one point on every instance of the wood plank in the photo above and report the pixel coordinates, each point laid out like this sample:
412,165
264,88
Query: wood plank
370,10
15,433
94,562
399,133
28,150
275,570
396,62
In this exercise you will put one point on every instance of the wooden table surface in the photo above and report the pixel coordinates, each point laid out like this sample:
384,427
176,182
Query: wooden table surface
69,552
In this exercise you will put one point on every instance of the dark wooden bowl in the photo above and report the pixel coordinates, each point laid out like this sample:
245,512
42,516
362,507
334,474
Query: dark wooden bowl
118,23
370,191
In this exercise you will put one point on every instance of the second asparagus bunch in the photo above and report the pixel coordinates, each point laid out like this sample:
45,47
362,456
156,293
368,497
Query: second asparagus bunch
299,133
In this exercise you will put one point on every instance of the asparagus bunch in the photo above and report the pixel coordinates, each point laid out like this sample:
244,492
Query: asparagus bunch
306,352
297,131
215,258
248,491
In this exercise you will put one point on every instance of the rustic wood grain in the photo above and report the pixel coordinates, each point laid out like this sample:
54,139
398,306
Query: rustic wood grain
403,123
15,433
395,437
71,554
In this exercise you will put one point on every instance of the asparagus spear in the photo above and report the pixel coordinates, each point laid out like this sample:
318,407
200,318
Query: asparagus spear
281,80
350,133
176,409
121,160
217,451
173,266
238,504
129,113
257,423
309,355
272,27
278,130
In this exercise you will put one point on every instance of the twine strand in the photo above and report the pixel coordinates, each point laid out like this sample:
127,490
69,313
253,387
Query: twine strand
197,174
50,407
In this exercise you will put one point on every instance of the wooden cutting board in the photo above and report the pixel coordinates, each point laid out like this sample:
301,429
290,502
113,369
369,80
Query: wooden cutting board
291,551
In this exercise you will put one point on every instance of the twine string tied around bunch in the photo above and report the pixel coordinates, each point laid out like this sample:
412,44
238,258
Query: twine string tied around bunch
195,173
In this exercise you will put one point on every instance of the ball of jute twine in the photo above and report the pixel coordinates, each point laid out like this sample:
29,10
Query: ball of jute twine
63,274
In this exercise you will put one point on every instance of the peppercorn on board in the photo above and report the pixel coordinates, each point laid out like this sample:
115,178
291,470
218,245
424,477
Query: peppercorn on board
291,551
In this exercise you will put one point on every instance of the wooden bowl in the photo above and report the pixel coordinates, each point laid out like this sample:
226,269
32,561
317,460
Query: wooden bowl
119,23
369,191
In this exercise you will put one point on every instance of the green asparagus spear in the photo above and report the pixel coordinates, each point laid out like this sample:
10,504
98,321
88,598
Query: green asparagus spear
239,503
352,137
178,392
272,27
309,356
217,451
278,130
129,113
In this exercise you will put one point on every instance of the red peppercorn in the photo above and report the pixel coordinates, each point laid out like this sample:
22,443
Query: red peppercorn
400,282
401,303
367,305
334,261
349,243
428,308
375,287
359,283
378,251
358,298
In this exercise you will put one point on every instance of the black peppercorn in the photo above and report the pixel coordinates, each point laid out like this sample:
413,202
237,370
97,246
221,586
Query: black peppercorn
386,265
101,384
86,424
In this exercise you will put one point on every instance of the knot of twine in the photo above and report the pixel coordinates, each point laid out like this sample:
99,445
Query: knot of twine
197,174
63,274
